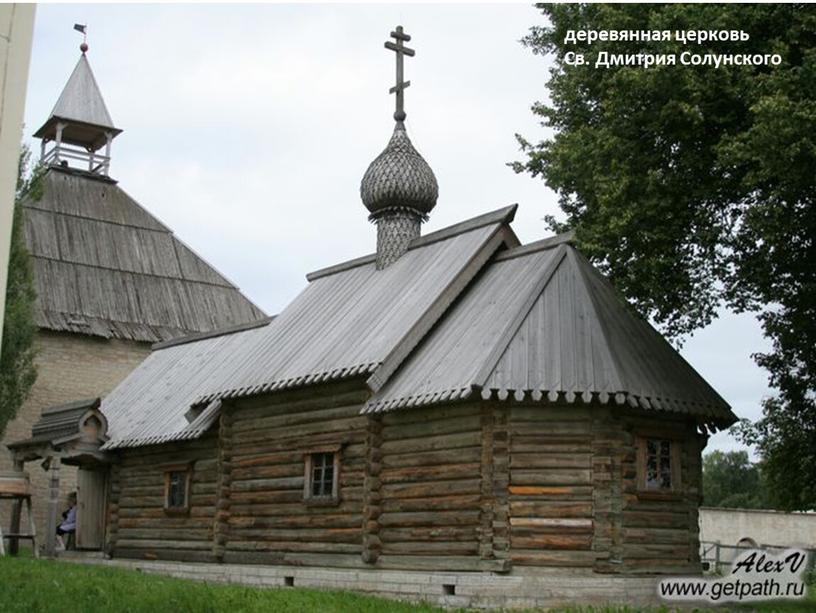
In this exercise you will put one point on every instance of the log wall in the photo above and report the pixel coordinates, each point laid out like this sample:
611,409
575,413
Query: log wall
140,527
268,520
550,491
432,489
477,486
660,532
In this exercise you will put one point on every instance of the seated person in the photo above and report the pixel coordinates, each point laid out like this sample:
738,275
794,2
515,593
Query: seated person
68,525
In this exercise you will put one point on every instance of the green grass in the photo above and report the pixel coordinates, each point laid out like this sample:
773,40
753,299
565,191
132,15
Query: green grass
33,586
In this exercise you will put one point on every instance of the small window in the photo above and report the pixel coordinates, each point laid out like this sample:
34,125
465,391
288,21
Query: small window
658,465
177,489
321,478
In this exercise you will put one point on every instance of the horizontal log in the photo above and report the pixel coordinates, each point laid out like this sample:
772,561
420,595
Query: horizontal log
267,497
164,522
172,534
535,557
431,488
550,460
308,535
158,511
437,518
431,503
532,444
434,443
333,520
295,417
302,432
353,444
439,427
163,554
284,546
261,485
424,534
524,508
282,510
442,472
657,536
559,476
440,548
556,492
397,419
162,544
553,541
266,459
326,395
544,522
264,472
430,458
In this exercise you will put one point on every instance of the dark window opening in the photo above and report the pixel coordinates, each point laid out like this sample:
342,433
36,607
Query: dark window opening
177,489
289,581
448,589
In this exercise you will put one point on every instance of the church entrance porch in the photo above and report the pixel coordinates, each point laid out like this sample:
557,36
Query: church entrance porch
70,434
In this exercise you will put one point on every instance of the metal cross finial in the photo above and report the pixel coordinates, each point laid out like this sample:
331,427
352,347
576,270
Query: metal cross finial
399,88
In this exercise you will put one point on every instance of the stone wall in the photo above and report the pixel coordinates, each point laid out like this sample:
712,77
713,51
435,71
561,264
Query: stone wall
70,367
729,526
449,589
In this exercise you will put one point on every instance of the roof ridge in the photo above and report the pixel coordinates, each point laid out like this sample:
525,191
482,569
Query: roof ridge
502,215
540,245
200,336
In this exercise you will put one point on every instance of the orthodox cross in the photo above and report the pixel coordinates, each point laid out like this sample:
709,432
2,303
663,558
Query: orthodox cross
399,88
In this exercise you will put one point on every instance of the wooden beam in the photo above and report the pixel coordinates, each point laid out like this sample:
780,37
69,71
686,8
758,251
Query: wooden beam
53,506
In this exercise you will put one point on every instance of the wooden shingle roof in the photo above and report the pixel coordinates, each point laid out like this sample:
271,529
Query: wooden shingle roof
465,313
543,324
106,267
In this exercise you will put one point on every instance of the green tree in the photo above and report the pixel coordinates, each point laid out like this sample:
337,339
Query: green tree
730,480
693,187
17,370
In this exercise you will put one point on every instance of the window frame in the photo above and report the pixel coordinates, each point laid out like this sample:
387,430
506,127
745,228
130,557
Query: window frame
311,499
187,470
675,446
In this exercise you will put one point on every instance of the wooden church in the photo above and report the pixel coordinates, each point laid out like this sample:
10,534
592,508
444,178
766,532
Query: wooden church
456,406
110,278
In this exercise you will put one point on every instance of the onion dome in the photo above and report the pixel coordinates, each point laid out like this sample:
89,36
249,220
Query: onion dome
399,178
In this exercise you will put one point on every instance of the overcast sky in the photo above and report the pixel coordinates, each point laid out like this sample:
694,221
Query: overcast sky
247,130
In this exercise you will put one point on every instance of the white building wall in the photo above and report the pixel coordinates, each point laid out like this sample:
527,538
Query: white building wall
729,526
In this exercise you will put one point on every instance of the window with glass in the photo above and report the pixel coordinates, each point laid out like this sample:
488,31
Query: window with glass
177,489
321,479
658,464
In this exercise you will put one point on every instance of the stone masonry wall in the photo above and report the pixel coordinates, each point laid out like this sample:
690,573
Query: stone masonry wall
70,367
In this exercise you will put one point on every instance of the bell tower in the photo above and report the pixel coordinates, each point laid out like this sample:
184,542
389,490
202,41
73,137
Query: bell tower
79,126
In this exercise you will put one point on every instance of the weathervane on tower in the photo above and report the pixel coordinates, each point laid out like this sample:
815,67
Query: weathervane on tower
83,28
401,50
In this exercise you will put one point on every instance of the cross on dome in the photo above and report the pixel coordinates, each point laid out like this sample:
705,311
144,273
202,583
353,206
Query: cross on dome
401,51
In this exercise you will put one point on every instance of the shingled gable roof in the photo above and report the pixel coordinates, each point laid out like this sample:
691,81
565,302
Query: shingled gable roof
104,266
153,404
353,320
542,324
